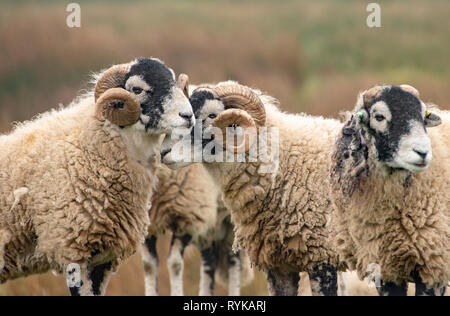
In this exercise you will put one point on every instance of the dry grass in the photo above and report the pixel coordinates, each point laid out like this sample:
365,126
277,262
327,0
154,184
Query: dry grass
315,56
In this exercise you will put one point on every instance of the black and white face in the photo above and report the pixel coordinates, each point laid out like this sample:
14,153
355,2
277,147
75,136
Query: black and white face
206,108
164,105
396,121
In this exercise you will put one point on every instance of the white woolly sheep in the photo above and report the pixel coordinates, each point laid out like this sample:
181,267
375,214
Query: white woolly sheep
188,204
75,183
392,199
280,217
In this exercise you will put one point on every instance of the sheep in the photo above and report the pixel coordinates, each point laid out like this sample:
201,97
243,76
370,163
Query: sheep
280,206
392,199
188,204
75,183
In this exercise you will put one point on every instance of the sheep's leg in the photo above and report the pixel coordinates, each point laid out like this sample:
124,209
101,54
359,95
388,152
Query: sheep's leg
99,277
234,273
85,281
208,269
324,280
282,283
422,290
77,277
150,260
342,285
392,289
74,278
176,263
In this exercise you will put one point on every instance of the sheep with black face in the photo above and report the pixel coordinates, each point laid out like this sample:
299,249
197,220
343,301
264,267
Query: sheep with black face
390,185
280,206
75,183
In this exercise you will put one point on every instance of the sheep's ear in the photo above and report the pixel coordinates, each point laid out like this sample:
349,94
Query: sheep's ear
432,119
410,89
238,130
183,84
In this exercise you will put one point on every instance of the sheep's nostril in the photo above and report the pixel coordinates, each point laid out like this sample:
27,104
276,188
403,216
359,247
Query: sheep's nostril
186,116
422,154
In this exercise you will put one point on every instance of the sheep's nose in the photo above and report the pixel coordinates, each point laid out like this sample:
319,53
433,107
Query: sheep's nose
188,116
423,154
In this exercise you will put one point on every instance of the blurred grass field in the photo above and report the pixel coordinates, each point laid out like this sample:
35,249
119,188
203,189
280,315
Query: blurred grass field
315,56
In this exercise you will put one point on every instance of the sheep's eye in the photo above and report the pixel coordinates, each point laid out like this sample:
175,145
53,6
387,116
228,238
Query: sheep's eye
379,117
212,116
137,90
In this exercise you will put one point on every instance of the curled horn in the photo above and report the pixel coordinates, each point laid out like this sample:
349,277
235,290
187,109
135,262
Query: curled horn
410,89
118,106
114,103
183,84
114,77
245,140
371,94
243,98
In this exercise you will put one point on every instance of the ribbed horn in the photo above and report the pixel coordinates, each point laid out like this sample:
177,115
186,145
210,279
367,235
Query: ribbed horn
242,142
410,89
114,77
118,106
183,84
242,97
371,94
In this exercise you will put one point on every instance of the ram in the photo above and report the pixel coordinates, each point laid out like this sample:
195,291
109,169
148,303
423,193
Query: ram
75,183
281,217
390,184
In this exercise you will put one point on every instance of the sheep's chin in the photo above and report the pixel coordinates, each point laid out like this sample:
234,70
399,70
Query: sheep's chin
412,167
174,164
176,151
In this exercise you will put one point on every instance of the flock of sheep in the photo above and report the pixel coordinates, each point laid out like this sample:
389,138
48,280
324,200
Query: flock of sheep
83,188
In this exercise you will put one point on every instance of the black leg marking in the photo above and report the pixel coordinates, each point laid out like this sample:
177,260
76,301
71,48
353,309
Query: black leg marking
97,276
392,289
234,258
282,283
185,240
324,280
421,288
176,263
150,261
150,243
234,273
75,291
73,278
209,258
